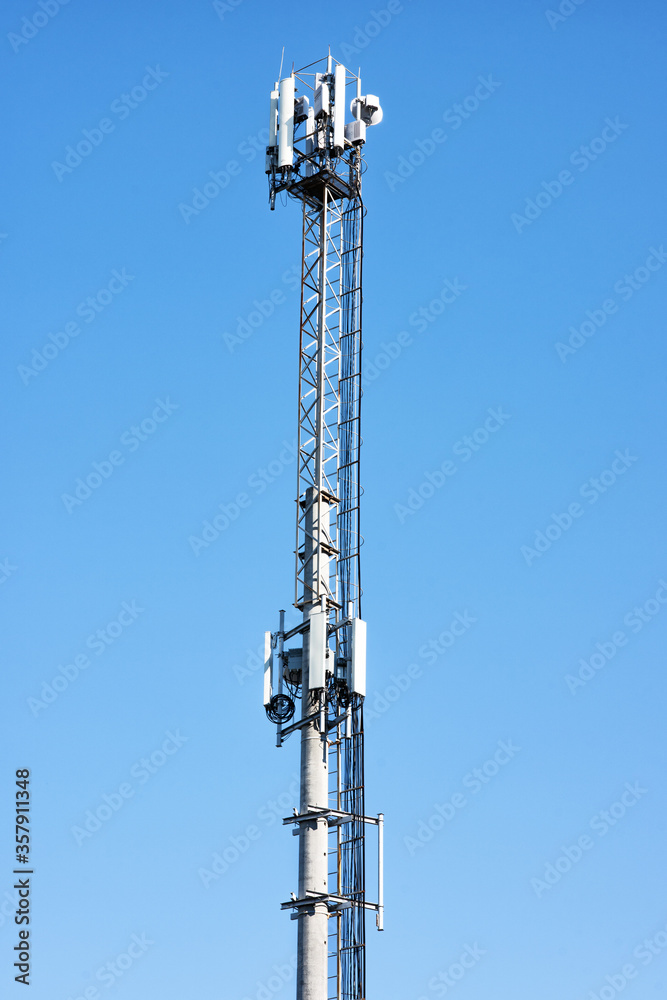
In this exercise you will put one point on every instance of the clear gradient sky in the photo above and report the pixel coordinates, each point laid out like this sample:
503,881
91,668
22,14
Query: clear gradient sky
514,565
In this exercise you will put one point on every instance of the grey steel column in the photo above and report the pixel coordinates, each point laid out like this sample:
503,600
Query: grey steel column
312,943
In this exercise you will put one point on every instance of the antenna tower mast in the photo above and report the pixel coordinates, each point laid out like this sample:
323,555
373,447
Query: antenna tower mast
315,157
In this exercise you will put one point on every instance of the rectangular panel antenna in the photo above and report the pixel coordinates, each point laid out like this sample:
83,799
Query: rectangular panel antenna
358,657
317,649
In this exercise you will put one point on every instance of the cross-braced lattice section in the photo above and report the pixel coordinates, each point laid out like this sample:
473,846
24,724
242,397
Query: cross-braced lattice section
319,370
347,926
329,405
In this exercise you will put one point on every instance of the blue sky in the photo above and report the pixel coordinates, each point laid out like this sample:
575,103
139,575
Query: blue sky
513,466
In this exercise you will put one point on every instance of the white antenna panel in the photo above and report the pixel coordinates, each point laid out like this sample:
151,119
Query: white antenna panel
339,107
286,122
358,657
273,118
268,668
322,99
317,650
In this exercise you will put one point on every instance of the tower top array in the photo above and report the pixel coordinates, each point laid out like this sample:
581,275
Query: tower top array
309,136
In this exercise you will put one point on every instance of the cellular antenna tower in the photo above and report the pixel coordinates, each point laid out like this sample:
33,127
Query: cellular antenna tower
315,156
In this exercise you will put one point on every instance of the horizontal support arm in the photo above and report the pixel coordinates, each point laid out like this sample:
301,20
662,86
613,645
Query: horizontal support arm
337,815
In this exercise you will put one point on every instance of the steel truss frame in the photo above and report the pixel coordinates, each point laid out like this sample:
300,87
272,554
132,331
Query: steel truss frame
327,566
329,419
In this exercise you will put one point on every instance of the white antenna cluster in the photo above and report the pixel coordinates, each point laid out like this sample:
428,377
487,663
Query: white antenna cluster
308,130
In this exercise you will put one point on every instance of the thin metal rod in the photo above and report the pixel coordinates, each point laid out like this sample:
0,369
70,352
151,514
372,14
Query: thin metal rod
380,913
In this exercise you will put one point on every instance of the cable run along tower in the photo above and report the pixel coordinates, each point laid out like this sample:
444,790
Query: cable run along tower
316,671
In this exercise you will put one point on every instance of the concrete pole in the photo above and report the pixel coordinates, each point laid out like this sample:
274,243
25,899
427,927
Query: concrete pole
312,941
